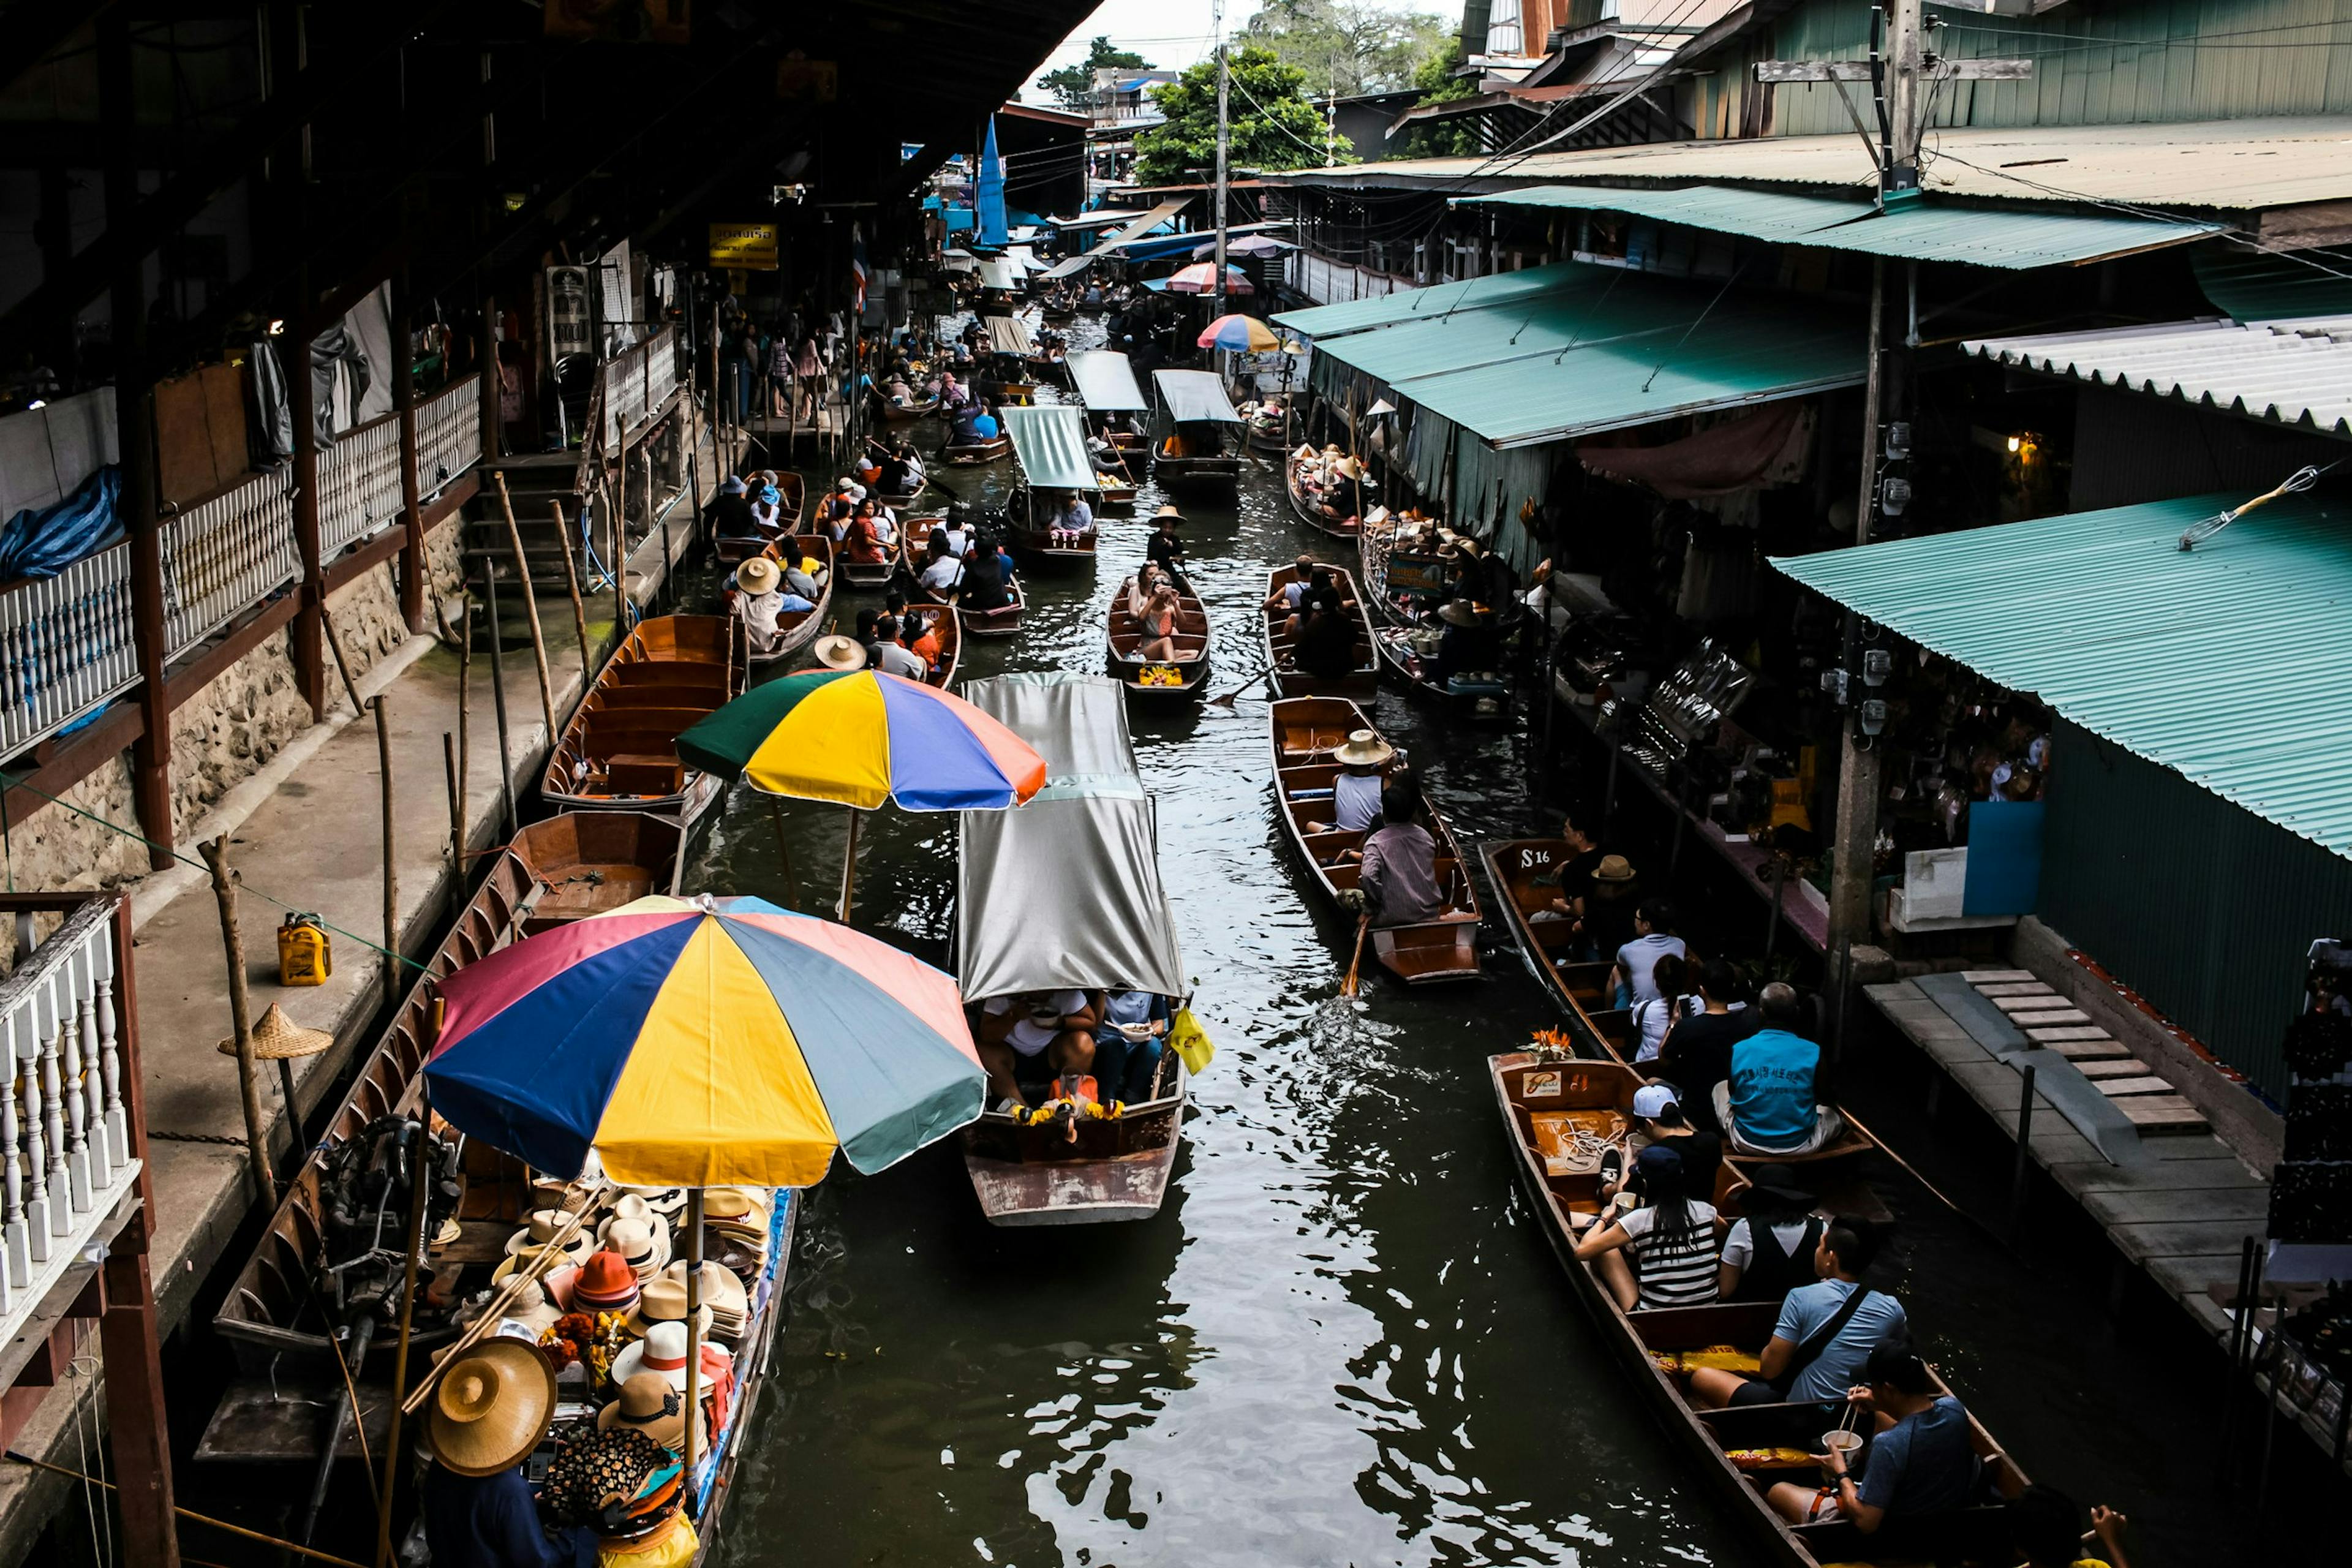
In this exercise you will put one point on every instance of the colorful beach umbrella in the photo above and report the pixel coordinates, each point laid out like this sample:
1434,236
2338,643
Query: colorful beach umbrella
704,1042
1239,334
1201,277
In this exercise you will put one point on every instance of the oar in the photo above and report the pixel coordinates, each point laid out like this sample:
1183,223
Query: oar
1348,986
1227,700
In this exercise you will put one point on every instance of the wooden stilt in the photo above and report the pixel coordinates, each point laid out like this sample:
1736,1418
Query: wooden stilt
579,609
456,822
240,1013
530,612
391,945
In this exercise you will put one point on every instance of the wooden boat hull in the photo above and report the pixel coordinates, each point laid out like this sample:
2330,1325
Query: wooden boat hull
1116,495
1267,443
619,753
972,454
791,504
1007,391
1308,512
1362,681
1304,731
1221,474
950,630
1002,622
585,863
1115,1170
1122,636
867,574
1398,661
891,412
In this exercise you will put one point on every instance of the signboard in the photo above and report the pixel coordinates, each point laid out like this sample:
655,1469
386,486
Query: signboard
743,245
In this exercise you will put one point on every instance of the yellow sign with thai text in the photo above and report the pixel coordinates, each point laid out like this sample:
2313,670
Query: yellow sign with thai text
743,245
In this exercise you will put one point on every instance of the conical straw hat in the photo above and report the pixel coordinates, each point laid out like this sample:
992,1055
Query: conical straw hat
278,1039
492,1407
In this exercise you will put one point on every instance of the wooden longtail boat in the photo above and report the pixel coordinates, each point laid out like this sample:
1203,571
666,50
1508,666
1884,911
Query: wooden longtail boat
1524,875
620,751
1178,678
1484,704
1002,622
1115,1170
1305,731
798,628
1308,511
1361,681
584,863
949,622
1542,1100
972,454
1191,464
891,412
1267,442
792,505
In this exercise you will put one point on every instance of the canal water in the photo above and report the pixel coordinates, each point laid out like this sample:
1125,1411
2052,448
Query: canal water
1343,1341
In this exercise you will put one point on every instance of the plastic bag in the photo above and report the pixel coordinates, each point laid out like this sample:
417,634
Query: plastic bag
1190,1042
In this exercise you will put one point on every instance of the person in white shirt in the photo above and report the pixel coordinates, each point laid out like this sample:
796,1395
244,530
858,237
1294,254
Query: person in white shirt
892,656
944,571
1656,1015
1037,1034
1653,937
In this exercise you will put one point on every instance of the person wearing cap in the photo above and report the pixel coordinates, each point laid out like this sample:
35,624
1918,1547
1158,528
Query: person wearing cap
1633,977
487,1412
768,503
1166,550
1662,1253
760,604
1775,1098
1037,1035
1363,758
728,515
1771,1247
1658,1119
1398,884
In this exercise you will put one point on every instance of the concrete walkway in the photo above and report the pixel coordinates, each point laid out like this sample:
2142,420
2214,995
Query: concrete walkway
307,831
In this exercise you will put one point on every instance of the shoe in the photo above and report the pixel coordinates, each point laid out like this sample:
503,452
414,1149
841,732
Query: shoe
1613,1166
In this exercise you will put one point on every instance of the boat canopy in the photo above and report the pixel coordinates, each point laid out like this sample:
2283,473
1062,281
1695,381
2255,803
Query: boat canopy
1194,397
1106,382
1050,439
1006,335
997,273
1064,893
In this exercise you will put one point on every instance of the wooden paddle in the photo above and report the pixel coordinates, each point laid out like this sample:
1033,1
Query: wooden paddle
1355,959
1227,700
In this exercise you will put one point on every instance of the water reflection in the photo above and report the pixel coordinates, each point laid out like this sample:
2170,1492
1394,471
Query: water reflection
1339,1342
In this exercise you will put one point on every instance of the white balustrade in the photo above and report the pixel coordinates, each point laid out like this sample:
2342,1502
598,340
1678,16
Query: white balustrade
222,558
65,646
359,486
64,1134
448,434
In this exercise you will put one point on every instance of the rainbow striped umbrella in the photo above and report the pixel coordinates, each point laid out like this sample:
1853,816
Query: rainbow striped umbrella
704,1042
1241,334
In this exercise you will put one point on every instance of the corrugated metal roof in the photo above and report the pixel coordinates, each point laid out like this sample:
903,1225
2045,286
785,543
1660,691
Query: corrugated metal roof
2289,372
2225,664
1143,225
1577,349
2219,164
1050,441
1926,230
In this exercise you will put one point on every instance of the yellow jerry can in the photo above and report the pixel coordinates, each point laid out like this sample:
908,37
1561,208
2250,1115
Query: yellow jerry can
305,955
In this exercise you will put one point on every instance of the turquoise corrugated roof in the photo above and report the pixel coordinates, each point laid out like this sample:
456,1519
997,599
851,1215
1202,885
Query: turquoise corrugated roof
1582,349
1323,322
2225,664
1050,441
1927,229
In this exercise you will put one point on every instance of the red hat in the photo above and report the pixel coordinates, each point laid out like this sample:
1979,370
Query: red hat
606,1284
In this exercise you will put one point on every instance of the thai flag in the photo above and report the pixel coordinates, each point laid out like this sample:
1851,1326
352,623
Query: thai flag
857,263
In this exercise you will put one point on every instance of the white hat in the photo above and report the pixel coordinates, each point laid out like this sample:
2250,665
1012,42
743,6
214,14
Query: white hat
758,576
1364,749
837,652
541,1230
1652,1099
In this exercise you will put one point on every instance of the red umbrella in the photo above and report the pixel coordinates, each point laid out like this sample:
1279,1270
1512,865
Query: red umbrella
1201,277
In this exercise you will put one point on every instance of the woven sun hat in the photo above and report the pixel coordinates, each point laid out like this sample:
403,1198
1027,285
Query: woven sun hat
649,1404
723,1291
522,1259
1364,749
1167,510
1458,613
758,576
492,1407
606,1284
278,1039
663,1300
837,652
734,1202
541,1232
644,1247
555,1193
1614,869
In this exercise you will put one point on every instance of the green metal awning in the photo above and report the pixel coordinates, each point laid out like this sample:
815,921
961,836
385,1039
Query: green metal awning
1050,441
2225,664
1927,229
1579,349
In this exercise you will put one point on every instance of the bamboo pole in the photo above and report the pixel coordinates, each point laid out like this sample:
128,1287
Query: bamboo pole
464,698
522,1281
456,824
661,518
530,612
498,702
418,1183
188,1513
619,566
849,867
240,1013
579,609
391,945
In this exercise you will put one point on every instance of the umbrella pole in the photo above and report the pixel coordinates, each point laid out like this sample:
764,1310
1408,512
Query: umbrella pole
418,1177
849,867
693,1325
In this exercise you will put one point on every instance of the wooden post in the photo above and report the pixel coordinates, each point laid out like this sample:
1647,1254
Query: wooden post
530,612
412,488
257,1141
465,692
391,945
618,535
456,824
849,867
661,518
310,620
783,851
499,700
579,610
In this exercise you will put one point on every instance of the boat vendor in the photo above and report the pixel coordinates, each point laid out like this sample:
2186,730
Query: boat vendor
760,602
488,1415
1037,1035
1128,1043
1470,643
1072,521
1398,885
1166,550
1363,759
1823,1336
1920,1462
1774,1102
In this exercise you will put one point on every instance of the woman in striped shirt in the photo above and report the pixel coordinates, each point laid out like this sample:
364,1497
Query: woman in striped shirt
1670,1240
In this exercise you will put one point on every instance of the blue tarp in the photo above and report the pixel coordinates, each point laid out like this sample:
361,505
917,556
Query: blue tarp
45,543
989,197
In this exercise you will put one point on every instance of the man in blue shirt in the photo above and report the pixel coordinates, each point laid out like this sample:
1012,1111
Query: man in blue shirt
1921,1462
1771,1103
1817,1347
984,426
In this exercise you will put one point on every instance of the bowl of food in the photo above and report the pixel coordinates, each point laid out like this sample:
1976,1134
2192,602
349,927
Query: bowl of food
1843,1443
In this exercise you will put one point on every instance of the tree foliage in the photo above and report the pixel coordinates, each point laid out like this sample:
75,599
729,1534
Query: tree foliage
1074,86
1349,47
1443,138
1272,125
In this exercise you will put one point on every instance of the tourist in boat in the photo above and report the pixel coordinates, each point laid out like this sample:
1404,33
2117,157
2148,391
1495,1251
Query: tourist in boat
1772,1248
867,545
1286,599
1920,1463
912,475
1572,874
760,602
1363,760
1653,1016
1128,1043
1822,1337
1772,1102
1147,580
1036,1037
1697,1054
1633,977
987,579
942,571
920,630
984,427
1166,550
1661,1254
963,418
1072,521
728,515
768,503
1317,586
2046,1526
1398,884
953,394
890,653
1326,645
1658,1119
487,1416
801,576
1159,618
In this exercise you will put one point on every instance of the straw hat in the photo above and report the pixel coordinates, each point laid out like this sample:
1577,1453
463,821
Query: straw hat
555,1193
663,1300
1364,749
1167,511
625,1205
523,1258
649,1404
837,652
606,1284
756,575
644,1247
279,1039
492,1407
723,1291
1349,468
661,1200
1457,613
1614,869
541,1234
662,1350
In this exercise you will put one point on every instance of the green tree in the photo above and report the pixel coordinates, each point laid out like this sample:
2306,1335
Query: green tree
1272,124
1349,47
1073,86
1442,138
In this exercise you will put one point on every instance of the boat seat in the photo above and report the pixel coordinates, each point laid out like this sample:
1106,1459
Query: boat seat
640,773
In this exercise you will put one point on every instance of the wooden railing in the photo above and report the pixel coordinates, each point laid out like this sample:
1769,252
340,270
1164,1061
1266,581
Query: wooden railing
448,434
66,1138
67,645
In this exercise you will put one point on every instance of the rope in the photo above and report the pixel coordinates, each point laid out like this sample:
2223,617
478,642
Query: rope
7,784
238,1529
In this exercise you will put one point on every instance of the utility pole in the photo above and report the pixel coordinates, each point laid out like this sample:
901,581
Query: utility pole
1217,27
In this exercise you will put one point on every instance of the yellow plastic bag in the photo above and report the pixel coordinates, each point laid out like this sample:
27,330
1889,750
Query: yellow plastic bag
1190,1042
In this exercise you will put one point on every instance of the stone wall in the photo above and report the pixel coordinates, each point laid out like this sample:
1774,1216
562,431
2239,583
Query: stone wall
231,729
55,850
